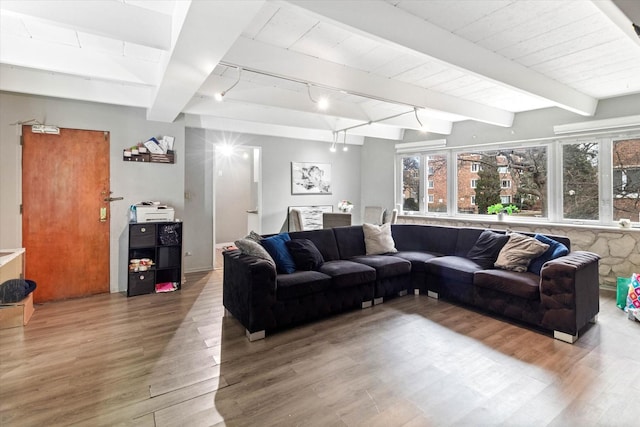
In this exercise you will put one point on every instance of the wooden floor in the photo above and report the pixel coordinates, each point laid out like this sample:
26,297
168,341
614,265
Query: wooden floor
173,360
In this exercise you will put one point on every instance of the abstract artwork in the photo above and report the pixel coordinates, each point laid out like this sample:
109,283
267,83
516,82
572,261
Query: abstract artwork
310,178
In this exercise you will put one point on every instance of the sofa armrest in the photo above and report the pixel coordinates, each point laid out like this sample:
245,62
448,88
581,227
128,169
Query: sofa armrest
249,290
570,291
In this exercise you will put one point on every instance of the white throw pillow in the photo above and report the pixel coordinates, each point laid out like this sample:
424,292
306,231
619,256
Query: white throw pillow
377,239
517,254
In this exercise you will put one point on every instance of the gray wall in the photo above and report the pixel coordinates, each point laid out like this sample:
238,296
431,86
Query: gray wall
133,181
378,173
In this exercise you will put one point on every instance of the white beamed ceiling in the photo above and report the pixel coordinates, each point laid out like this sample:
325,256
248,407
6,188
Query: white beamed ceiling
481,60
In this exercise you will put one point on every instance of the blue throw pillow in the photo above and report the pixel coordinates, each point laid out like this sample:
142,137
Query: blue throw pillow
556,250
277,248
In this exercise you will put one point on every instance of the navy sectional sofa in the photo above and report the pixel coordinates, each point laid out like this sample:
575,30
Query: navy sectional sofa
432,260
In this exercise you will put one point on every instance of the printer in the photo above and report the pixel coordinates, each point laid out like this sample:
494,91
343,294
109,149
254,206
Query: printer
151,212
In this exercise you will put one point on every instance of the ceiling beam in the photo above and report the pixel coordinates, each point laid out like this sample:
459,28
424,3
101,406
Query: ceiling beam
44,83
207,30
622,14
262,57
60,58
392,25
112,19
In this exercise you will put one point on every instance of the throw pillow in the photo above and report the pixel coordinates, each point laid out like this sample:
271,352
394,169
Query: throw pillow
518,252
252,248
556,250
486,249
254,236
305,254
277,248
378,239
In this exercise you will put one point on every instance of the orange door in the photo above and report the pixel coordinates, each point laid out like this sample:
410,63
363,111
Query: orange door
65,220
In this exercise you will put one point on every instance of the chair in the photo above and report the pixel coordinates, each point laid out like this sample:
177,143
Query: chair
330,219
295,220
393,218
373,215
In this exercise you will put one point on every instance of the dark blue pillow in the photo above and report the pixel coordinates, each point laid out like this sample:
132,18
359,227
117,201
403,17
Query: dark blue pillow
277,248
305,254
556,250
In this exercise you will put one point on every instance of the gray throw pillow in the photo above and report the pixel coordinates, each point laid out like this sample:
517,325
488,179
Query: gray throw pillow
518,252
254,236
378,239
252,248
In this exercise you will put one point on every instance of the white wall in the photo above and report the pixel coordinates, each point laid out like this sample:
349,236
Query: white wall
378,173
133,181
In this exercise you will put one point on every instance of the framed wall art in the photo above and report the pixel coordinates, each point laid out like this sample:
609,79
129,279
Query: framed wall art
310,178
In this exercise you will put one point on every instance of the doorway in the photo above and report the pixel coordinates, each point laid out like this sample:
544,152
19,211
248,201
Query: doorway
65,212
237,189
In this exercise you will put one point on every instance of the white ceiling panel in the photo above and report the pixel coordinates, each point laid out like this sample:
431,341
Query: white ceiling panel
455,60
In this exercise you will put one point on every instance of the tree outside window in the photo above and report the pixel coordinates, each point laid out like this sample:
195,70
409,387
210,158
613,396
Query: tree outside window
411,183
581,194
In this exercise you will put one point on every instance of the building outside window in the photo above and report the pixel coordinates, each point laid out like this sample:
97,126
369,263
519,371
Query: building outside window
505,183
626,179
424,178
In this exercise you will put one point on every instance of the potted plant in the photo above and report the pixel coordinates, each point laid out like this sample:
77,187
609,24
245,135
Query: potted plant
500,209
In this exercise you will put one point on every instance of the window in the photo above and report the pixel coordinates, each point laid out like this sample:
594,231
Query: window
424,178
410,183
626,179
580,189
503,169
526,185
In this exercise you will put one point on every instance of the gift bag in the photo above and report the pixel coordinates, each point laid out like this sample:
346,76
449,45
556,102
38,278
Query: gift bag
633,297
622,292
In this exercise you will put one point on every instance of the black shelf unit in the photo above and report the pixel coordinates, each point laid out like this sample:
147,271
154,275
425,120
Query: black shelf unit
162,243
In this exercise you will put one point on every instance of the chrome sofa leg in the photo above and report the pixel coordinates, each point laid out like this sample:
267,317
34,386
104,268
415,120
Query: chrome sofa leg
594,319
402,293
255,336
563,336
416,291
432,294
367,304
377,301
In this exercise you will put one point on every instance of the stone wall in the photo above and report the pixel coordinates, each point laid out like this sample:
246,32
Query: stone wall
618,248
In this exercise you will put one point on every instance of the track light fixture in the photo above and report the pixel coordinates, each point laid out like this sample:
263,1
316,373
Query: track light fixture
322,103
344,142
219,96
335,141
422,127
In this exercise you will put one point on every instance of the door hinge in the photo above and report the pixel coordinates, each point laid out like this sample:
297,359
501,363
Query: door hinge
20,209
21,140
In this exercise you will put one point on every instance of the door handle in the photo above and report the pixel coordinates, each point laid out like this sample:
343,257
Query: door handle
112,199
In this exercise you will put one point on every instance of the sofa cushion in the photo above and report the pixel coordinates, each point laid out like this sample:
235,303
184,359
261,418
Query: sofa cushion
465,239
305,254
425,238
517,253
350,241
301,283
453,267
324,239
378,239
250,247
386,266
524,285
416,258
277,248
348,273
486,249
556,250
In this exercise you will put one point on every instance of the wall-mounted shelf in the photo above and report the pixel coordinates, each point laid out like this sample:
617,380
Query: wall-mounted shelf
150,157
